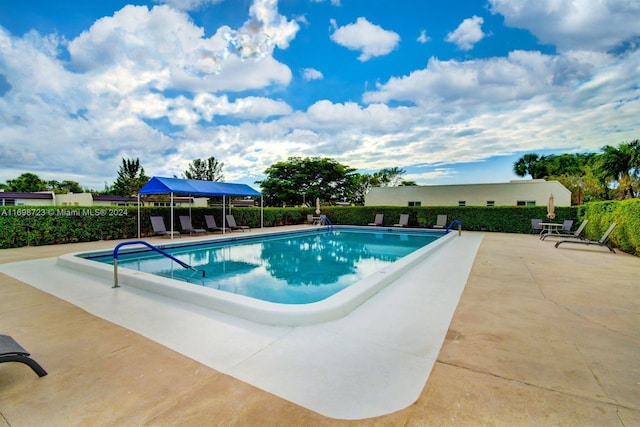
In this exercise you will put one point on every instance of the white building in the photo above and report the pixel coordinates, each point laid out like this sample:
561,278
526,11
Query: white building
514,193
49,198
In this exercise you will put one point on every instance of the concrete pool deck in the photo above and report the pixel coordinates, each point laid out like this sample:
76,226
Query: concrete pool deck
540,336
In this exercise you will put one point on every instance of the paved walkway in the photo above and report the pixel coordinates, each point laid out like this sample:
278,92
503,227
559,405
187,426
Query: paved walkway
541,336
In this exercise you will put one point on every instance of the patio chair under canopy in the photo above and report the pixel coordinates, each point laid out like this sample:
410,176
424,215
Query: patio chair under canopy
194,187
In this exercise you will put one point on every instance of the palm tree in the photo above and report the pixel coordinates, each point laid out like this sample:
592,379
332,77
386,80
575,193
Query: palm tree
621,164
531,164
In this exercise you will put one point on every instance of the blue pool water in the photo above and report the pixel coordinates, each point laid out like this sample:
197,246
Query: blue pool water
296,268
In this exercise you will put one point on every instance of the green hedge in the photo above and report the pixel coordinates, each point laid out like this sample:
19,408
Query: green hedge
52,225
476,218
625,213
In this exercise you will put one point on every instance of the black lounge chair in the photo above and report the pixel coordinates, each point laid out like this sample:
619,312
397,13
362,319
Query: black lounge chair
535,225
159,229
185,223
604,240
11,351
211,223
233,226
567,235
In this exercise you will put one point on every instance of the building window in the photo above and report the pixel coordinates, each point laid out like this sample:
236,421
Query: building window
414,204
462,203
526,203
491,203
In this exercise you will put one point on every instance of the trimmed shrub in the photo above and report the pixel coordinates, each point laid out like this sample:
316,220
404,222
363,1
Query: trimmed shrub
22,226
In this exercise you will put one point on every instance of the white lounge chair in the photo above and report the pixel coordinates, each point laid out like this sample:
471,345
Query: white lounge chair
403,221
441,222
378,220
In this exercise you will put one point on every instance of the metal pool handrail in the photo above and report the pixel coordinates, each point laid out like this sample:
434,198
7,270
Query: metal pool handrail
150,246
455,221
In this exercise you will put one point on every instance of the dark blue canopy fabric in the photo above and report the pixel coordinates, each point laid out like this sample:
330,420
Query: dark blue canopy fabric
194,187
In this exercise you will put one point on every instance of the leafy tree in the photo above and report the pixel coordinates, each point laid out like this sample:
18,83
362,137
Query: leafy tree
564,164
27,182
531,164
64,186
622,164
131,178
585,187
304,179
206,170
388,177
360,186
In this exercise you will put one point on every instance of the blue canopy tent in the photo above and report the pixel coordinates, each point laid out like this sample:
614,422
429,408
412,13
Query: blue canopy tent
194,187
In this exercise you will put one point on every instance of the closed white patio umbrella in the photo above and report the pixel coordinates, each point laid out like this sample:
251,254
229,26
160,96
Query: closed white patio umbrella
551,210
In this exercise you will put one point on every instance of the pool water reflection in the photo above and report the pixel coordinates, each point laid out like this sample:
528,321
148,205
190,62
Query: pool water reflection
295,268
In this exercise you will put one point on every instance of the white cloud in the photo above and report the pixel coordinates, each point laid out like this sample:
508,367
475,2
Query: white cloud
249,108
336,3
426,177
575,24
266,19
468,33
129,73
101,109
522,75
423,38
311,74
137,41
187,4
371,40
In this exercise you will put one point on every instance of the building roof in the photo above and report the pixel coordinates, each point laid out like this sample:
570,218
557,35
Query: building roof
22,195
110,198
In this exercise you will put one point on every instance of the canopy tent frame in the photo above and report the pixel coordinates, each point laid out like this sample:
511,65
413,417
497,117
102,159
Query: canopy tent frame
194,187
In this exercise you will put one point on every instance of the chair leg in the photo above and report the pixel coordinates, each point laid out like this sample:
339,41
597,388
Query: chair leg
27,361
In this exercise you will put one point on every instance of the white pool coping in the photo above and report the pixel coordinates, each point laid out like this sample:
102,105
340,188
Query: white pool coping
331,308
373,361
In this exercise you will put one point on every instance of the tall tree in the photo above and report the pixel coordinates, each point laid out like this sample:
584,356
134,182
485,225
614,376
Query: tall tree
131,178
299,180
585,187
389,177
206,170
621,164
531,164
65,186
27,182
361,184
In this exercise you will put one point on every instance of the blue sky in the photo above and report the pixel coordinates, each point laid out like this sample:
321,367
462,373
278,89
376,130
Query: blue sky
451,91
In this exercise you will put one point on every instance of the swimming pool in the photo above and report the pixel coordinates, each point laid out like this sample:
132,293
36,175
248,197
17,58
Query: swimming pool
313,275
